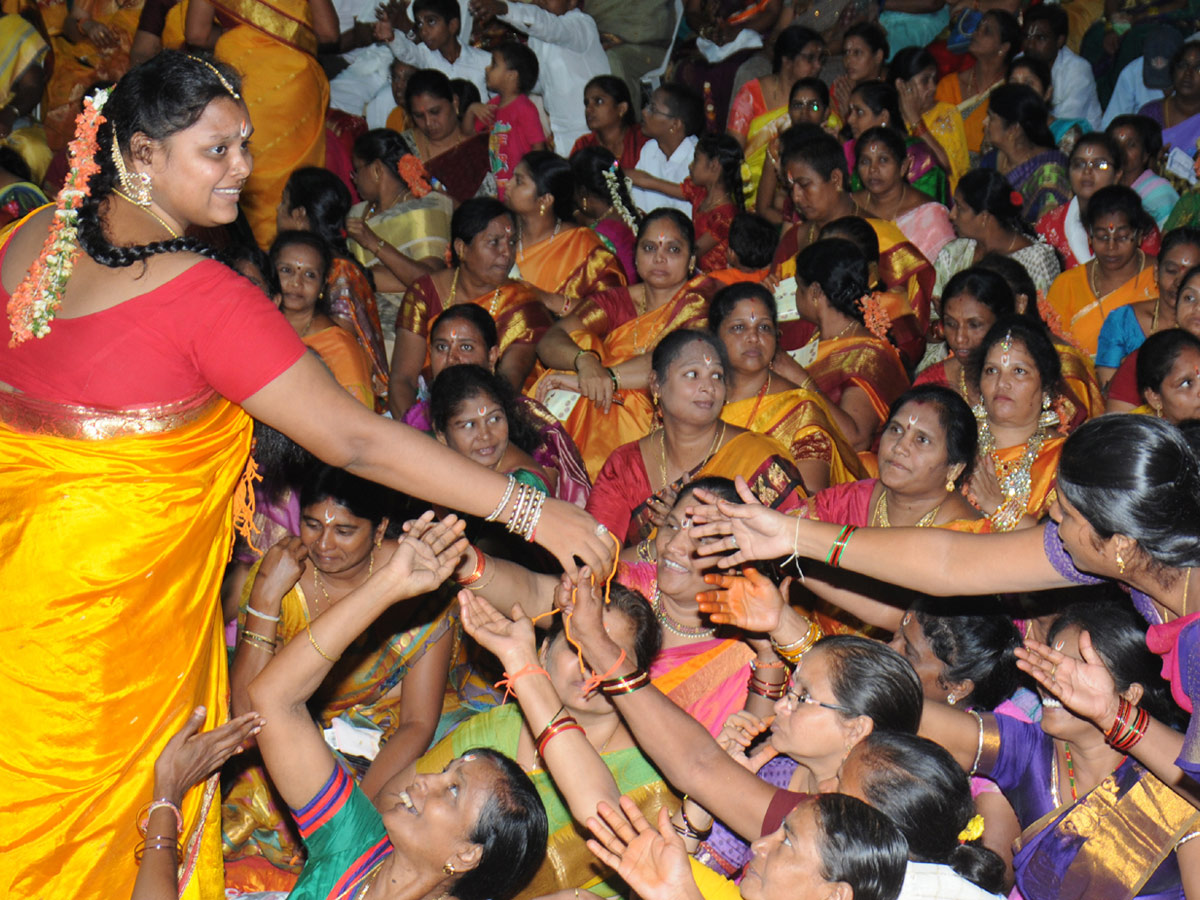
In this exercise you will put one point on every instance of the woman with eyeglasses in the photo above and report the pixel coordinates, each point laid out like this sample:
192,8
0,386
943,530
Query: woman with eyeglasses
760,111
1122,272
1096,162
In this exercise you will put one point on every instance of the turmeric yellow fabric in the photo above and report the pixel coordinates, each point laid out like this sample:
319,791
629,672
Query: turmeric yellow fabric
286,92
116,528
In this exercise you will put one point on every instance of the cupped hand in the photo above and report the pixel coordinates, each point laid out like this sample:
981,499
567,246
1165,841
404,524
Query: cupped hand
653,862
510,640
751,602
422,561
1085,687
748,529
738,734
568,532
191,755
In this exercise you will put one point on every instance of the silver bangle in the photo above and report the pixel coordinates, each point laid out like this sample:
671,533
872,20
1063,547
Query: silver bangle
495,513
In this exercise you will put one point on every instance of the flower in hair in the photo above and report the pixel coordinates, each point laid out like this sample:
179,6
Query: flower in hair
875,315
1015,198
973,831
614,195
746,173
36,300
413,172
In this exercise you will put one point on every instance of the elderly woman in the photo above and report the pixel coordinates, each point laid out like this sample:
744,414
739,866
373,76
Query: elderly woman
564,262
744,317
687,384
483,244
599,354
404,681
476,829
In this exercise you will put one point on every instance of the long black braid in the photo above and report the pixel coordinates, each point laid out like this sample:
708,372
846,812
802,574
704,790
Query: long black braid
159,98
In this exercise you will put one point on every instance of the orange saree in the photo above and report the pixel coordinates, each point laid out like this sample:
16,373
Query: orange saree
520,318
864,362
1082,312
574,263
345,359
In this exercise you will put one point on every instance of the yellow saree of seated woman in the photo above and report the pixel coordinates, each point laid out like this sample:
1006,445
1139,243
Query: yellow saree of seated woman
104,661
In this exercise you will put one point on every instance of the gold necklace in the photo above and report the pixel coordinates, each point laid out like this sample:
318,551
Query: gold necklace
320,585
880,518
1093,282
662,443
521,244
148,211
454,290
1154,327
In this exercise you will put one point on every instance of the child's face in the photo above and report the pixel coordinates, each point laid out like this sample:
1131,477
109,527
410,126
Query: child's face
806,107
401,72
434,31
495,72
704,169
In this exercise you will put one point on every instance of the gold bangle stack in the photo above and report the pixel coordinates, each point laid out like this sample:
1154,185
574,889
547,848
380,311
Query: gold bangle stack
791,653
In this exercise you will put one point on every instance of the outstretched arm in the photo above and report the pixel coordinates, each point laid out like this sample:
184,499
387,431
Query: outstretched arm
681,748
933,560
290,742
307,405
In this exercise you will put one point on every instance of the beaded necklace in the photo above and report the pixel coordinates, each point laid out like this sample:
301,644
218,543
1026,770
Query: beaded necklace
1016,482
675,627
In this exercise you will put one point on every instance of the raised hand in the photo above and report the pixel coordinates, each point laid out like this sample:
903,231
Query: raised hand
749,529
281,567
653,862
510,640
191,755
751,602
568,532
425,557
1085,687
739,732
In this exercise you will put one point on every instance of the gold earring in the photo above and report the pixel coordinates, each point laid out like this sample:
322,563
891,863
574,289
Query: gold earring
134,188
949,485
1120,563
449,869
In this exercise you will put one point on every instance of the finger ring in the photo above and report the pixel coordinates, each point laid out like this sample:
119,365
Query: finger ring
601,530
1054,673
733,541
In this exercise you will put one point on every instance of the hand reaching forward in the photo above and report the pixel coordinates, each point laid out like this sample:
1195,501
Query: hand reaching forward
510,640
654,863
192,755
751,602
739,732
749,529
425,556
1085,687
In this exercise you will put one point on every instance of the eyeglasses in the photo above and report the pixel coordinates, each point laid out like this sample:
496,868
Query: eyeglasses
1096,165
796,696
654,110
810,105
1112,237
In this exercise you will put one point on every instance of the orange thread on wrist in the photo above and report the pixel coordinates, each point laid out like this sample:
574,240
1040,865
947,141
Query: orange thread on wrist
508,682
594,682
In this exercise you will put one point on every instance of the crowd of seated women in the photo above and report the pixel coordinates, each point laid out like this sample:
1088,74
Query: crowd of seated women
861,350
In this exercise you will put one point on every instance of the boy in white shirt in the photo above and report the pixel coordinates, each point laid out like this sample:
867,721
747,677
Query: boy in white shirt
1044,37
671,120
569,52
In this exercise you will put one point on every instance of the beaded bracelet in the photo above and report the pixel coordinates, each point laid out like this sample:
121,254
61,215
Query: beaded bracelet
833,558
554,729
251,611
143,816
480,562
627,684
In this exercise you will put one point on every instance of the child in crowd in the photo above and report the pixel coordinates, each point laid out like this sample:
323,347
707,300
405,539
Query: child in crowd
752,243
567,44
511,116
671,122
401,71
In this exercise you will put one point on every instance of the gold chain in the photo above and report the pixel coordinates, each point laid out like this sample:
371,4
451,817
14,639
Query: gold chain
148,211
881,520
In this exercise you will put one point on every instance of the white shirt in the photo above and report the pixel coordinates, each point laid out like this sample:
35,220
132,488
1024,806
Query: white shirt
470,64
673,168
930,881
1074,88
351,11
1130,94
569,55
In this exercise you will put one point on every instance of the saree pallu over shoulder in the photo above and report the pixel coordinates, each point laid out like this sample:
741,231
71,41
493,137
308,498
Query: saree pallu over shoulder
118,537
576,264
800,421
1083,313
418,228
614,329
764,463
865,362
707,679
520,318
1107,845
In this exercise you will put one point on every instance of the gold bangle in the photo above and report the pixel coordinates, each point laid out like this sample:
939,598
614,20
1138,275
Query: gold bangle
312,640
